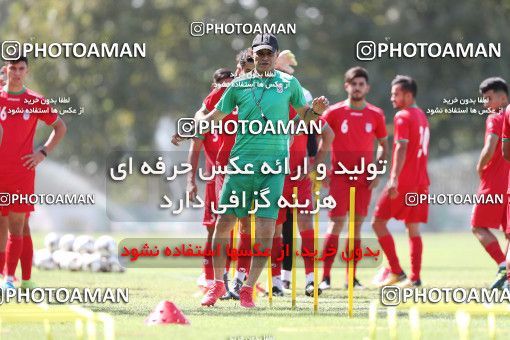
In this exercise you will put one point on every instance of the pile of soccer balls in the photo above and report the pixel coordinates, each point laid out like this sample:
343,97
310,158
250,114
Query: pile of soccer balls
80,253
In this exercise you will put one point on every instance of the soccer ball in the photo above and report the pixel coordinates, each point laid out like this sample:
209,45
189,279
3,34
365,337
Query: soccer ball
70,260
43,260
105,245
115,266
58,256
51,241
83,244
66,242
91,262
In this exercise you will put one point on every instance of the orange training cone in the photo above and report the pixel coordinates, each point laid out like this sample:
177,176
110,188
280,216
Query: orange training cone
164,313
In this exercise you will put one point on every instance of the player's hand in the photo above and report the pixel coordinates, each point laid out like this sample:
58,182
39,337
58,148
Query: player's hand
479,169
392,188
32,160
177,140
320,104
374,183
3,70
192,190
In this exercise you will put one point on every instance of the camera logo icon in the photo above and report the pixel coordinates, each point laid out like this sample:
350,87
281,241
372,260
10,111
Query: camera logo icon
197,28
366,50
390,296
5,199
411,199
186,127
11,50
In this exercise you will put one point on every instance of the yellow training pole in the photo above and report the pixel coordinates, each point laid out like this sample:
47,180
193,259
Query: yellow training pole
316,248
269,282
350,290
372,320
491,324
414,320
252,228
463,322
294,247
233,263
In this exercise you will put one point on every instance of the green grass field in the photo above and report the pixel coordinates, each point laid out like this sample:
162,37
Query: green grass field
450,260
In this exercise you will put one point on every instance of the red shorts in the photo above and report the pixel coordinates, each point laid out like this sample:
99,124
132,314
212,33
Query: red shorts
402,207
339,189
490,215
21,184
210,196
304,192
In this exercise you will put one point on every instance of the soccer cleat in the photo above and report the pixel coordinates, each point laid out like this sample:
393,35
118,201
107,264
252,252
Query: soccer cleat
393,279
407,283
309,289
500,278
286,284
325,284
246,297
227,296
234,292
213,294
276,291
28,284
357,285
506,286
225,280
8,285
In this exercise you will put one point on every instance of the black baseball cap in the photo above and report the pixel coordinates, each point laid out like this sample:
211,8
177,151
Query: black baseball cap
265,41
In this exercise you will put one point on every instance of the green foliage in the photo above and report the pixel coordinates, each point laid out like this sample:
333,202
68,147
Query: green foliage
124,99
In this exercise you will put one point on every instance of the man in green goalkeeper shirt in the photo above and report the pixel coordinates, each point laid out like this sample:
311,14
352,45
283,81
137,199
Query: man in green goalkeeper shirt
263,96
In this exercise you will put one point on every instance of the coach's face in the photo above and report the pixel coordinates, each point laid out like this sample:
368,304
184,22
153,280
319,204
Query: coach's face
265,60
16,73
357,89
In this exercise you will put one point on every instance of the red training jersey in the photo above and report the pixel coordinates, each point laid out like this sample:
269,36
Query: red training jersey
495,174
412,125
226,141
19,114
212,142
355,132
506,136
298,149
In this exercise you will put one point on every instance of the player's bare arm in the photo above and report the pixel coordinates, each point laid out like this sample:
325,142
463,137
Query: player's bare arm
399,160
1,134
382,155
319,105
59,131
193,157
202,112
487,152
326,139
3,69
